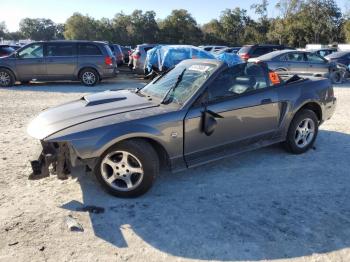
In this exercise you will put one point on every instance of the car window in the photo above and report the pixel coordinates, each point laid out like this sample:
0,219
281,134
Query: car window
294,57
208,48
314,58
61,49
238,80
323,52
111,47
89,49
6,51
244,49
109,51
261,51
32,51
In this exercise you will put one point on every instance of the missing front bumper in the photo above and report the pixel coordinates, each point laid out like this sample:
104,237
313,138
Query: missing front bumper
55,158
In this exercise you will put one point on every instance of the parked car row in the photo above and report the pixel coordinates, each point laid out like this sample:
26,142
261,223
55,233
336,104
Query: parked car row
68,60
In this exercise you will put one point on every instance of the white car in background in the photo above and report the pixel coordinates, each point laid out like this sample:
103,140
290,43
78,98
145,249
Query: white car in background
212,48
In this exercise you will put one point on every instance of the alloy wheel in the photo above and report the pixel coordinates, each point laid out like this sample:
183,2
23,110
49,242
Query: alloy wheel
5,79
122,170
304,133
89,78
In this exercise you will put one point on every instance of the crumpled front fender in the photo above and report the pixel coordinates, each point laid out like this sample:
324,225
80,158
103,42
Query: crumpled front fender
92,143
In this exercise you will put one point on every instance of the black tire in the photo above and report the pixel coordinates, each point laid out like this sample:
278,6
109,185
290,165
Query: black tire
144,153
336,77
89,77
7,79
291,144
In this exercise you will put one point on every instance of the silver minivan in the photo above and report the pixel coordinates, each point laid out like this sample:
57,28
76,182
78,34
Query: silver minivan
87,61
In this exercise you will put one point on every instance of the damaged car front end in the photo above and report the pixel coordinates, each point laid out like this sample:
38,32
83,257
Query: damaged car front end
57,155
78,132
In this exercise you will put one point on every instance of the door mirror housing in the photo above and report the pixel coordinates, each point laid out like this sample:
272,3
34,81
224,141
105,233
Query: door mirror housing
209,123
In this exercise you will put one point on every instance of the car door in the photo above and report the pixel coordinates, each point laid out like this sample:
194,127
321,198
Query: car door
297,63
259,51
317,65
61,60
246,110
30,62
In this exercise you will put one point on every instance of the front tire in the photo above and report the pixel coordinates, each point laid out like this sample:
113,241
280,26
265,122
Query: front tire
89,77
7,78
128,169
302,132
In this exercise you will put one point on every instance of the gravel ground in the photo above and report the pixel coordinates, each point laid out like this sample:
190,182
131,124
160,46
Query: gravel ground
261,205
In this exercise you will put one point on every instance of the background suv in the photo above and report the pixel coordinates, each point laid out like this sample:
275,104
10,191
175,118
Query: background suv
250,51
86,61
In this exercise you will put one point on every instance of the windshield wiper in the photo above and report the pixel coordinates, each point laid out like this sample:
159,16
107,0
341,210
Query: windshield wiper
156,80
162,74
171,90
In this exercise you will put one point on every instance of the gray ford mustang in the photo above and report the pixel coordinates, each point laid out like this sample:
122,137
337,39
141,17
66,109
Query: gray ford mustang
198,112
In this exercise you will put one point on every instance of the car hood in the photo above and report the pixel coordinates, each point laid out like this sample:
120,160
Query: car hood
87,108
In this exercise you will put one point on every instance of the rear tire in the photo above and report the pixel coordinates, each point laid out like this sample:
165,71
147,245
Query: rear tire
302,132
128,169
7,79
89,77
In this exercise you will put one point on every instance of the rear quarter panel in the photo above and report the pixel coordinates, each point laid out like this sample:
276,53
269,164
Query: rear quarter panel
296,95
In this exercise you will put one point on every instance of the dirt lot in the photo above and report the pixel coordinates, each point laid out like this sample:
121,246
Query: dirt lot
262,205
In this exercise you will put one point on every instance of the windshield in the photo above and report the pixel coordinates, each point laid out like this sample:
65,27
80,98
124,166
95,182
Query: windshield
193,77
337,54
244,49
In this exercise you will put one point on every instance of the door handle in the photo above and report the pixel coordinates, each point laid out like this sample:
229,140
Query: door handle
266,101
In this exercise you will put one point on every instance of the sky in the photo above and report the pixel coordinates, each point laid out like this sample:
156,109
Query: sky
58,11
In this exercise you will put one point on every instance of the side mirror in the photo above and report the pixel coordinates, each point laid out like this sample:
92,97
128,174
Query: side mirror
208,123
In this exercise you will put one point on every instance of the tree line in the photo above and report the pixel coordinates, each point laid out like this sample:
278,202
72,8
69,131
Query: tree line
298,22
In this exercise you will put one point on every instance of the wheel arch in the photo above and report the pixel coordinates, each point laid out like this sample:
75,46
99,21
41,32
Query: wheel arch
162,153
88,67
309,105
313,106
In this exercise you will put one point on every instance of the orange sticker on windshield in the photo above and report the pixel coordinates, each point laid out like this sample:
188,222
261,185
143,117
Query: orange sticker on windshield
274,78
